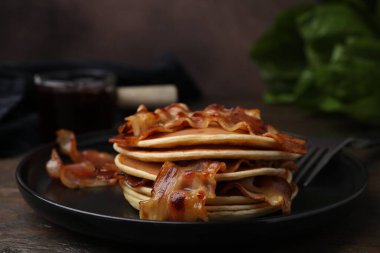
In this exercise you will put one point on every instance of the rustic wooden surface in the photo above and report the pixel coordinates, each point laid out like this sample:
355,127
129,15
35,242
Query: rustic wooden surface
23,230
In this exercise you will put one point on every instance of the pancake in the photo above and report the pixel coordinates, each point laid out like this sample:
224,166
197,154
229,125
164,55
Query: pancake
218,163
204,153
150,170
213,135
216,212
142,192
137,197
220,207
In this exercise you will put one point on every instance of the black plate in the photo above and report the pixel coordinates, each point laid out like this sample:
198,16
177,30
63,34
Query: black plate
103,212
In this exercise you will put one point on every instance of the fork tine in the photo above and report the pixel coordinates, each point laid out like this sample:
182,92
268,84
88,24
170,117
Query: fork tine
325,160
305,158
310,160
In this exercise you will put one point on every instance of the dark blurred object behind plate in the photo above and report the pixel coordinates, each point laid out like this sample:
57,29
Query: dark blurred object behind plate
103,212
18,117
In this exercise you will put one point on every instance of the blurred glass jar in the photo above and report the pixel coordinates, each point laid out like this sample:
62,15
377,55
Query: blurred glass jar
79,100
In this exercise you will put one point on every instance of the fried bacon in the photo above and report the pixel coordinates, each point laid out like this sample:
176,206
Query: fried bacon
135,181
242,164
68,144
177,116
287,143
275,191
54,165
179,193
89,168
85,174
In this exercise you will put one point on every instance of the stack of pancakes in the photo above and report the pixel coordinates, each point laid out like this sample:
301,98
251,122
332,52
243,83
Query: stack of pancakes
257,161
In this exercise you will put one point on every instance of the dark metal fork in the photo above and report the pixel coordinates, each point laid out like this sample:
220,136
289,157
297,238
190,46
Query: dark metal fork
318,157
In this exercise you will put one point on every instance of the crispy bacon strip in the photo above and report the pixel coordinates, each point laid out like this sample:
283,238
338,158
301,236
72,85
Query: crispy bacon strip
135,181
287,143
97,158
242,164
85,174
89,168
53,166
276,191
177,116
68,144
179,193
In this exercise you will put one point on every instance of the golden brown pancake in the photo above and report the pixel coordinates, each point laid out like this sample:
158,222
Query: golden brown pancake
213,135
218,163
220,211
142,192
204,153
150,170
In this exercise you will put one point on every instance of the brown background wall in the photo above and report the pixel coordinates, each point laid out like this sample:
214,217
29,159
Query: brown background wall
211,38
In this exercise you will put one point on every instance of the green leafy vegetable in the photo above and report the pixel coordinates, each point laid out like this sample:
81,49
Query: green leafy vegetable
279,54
325,58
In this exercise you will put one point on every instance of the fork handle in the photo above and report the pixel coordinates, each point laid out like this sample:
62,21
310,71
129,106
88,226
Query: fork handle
361,143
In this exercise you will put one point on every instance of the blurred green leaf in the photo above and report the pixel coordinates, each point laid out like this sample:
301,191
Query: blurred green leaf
281,68
327,25
325,58
348,84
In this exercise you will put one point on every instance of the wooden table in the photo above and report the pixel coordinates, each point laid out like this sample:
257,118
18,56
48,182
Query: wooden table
23,230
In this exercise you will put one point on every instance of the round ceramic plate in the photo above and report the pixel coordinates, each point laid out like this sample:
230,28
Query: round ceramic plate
103,211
